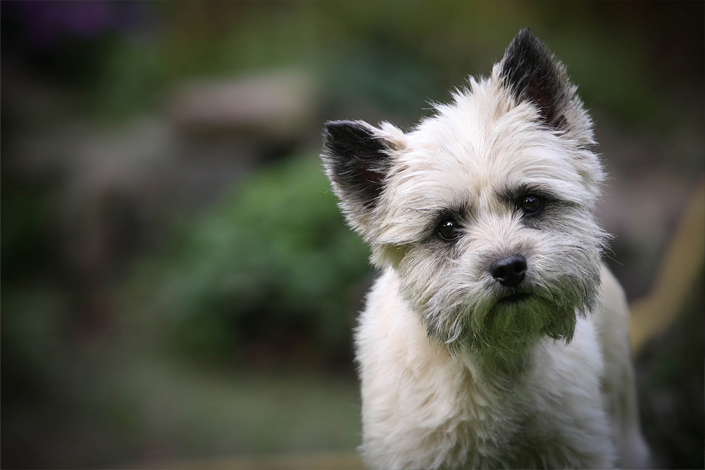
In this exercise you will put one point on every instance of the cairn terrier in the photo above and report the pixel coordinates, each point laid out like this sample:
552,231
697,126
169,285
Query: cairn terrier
495,337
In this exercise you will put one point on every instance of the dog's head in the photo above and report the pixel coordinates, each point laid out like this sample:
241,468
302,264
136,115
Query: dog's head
485,210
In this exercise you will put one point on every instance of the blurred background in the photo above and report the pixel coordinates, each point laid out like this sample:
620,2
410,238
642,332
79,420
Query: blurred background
178,286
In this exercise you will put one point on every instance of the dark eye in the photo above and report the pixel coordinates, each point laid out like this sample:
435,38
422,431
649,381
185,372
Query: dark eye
530,204
448,229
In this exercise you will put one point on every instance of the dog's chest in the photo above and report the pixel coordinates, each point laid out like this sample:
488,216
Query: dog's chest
516,426
460,424
469,426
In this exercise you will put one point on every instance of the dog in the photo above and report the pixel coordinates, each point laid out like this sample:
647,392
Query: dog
495,335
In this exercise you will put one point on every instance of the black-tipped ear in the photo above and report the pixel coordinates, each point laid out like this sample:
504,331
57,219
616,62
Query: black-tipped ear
357,162
533,73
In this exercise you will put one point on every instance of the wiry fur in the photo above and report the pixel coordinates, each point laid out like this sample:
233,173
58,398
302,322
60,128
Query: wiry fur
454,376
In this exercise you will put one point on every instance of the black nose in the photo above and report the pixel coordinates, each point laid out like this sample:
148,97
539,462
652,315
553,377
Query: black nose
509,271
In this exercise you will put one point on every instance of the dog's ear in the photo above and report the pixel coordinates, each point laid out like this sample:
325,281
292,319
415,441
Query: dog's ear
532,73
357,158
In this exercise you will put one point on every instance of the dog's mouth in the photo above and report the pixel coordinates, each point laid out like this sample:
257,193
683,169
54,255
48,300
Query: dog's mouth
515,298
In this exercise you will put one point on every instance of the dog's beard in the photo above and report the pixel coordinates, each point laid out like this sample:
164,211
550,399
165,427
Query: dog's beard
506,324
484,317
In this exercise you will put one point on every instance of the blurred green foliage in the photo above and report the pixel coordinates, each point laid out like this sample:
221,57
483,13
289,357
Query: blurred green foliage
32,333
624,55
274,266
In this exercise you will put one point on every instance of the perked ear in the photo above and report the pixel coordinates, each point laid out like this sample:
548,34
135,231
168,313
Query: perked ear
357,160
532,73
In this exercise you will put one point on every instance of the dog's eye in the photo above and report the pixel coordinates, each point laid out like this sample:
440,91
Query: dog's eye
448,229
530,204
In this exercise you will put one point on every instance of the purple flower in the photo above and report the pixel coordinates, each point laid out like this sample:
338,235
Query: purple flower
49,21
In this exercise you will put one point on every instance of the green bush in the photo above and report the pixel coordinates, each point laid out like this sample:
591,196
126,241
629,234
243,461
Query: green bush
272,267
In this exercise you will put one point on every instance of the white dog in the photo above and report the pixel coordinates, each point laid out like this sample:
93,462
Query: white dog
495,337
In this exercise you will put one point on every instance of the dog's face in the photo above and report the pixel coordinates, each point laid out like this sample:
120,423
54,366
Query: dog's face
485,211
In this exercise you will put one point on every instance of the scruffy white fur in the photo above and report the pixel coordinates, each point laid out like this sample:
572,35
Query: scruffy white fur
453,374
